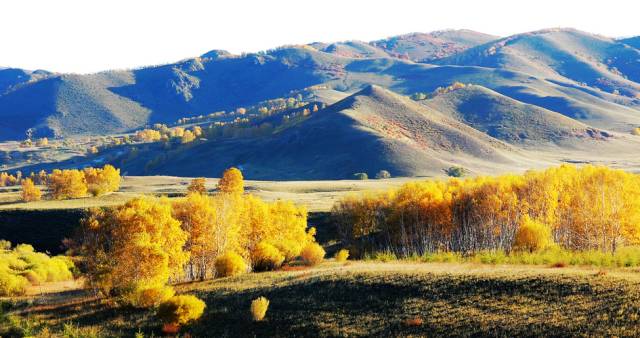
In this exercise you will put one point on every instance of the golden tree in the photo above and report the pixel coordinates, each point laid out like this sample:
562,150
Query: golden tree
102,181
197,186
65,184
29,191
133,249
231,182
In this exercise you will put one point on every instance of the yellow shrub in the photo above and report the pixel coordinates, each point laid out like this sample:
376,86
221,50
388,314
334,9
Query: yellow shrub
342,255
230,264
259,308
12,285
181,309
266,257
532,236
30,192
312,254
636,131
152,296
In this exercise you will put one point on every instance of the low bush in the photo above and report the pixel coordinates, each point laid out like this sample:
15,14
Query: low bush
342,255
230,264
181,309
259,307
312,254
21,267
152,296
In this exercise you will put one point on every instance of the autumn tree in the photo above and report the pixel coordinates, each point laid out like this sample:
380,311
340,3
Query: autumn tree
231,182
134,250
30,192
102,180
65,184
197,185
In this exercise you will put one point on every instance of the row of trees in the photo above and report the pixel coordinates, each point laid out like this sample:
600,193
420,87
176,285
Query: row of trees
588,208
71,183
134,251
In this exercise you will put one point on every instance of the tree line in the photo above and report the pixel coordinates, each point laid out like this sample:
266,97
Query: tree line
588,208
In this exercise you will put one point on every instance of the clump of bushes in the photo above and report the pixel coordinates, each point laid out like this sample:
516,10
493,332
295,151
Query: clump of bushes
180,310
22,266
259,307
230,264
312,254
266,257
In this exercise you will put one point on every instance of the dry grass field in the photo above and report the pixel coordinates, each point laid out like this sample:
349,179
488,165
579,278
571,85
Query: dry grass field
316,195
376,299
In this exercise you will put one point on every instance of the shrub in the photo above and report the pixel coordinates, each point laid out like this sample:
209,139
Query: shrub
532,236
383,174
455,171
266,257
181,309
152,297
312,254
636,131
30,192
259,308
342,255
230,264
361,176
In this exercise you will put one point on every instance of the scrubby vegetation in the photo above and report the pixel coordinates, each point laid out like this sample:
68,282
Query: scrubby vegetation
21,267
181,309
507,213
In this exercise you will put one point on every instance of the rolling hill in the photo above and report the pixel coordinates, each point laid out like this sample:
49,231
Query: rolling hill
556,87
510,120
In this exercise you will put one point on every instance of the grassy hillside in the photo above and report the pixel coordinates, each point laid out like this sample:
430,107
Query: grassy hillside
391,299
510,120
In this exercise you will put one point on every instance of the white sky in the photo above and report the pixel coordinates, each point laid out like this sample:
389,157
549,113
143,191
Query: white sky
89,35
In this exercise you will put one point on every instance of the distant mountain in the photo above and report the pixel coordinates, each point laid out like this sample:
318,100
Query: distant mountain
592,80
561,55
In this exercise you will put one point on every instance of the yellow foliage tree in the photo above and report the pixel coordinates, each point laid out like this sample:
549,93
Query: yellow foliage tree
102,181
532,236
133,248
30,192
231,182
197,186
65,184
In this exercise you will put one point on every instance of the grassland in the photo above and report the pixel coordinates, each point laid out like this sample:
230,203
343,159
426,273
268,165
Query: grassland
316,195
379,299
